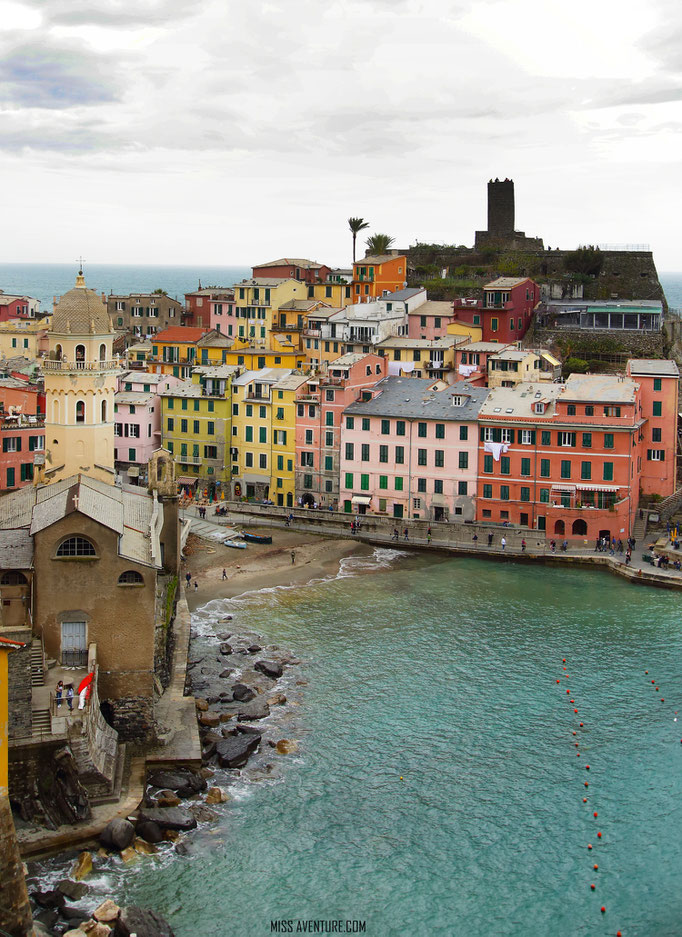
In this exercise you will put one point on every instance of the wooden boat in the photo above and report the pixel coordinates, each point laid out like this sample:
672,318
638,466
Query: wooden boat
256,538
235,544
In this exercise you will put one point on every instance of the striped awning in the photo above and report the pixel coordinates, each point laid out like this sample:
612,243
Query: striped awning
598,487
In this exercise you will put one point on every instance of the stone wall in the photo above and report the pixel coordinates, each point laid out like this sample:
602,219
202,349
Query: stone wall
635,344
44,785
19,678
133,718
15,911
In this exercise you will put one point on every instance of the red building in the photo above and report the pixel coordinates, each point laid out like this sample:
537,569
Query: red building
564,458
293,268
17,307
506,310
659,381
203,305
22,430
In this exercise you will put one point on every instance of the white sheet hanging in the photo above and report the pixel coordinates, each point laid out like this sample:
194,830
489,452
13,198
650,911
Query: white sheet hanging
467,369
495,448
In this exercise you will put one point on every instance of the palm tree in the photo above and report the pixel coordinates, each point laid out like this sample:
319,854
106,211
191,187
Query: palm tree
356,225
379,243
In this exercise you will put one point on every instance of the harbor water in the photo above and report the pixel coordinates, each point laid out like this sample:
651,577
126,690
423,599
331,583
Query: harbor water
438,788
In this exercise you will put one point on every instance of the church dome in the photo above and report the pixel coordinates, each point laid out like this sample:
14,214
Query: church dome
81,312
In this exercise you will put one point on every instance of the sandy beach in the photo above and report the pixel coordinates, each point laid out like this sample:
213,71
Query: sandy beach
262,565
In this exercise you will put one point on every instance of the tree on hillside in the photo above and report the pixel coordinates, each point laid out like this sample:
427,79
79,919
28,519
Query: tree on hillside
379,243
356,225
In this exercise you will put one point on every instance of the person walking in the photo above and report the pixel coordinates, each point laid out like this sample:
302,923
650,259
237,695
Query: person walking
396,534
58,692
224,574
475,539
196,585
490,540
503,541
564,546
597,546
405,536
620,546
293,557
428,536
188,579
523,546
552,545
69,696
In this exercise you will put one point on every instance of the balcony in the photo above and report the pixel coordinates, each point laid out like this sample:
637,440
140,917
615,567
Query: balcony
113,364
188,459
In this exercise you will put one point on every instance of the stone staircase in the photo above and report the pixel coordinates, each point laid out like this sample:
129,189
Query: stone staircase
639,527
37,665
41,724
670,505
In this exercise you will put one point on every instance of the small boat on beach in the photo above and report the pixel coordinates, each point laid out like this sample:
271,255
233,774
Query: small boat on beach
235,544
256,538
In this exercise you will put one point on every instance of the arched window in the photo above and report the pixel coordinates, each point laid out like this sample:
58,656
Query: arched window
560,528
55,411
80,411
104,411
579,527
76,546
13,578
102,352
130,577
58,352
80,352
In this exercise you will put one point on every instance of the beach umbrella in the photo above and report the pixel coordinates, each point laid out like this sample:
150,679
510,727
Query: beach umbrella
86,684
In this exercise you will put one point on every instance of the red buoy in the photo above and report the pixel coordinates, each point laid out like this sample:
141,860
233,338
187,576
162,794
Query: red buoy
575,710
586,784
558,681
618,934
653,681
573,701
587,767
581,725
603,909
568,692
574,732
563,660
662,700
657,689
596,814
595,867
577,754
593,886
646,671
584,800
598,835
589,845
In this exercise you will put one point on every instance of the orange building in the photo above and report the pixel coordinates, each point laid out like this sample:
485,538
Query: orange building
377,274
563,458
659,381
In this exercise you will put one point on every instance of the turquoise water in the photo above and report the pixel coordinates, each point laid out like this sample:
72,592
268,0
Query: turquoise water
444,674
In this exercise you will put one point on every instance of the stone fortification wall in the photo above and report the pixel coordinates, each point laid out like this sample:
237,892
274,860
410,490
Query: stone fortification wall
19,677
133,718
43,783
588,343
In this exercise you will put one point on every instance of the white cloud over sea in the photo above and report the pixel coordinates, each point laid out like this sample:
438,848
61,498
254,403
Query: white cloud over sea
233,131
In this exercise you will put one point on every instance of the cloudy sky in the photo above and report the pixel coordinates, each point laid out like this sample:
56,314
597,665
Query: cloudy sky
236,131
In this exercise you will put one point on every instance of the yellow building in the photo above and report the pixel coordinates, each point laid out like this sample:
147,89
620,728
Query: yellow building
257,302
264,435
419,357
472,333
27,337
174,351
255,359
80,384
333,294
196,427
513,365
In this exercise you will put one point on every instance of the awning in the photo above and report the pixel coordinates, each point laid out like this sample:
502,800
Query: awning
134,471
550,359
185,480
360,499
598,487
254,479
563,487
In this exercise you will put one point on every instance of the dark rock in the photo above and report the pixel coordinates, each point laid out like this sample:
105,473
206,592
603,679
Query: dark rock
209,719
208,751
149,831
74,891
144,923
166,799
203,813
226,733
259,709
48,918
74,916
235,751
118,834
169,818
49,899
183,781
240,650
181,849
269,667
254,648
225,635
225,648
226,673
247,730
225,697
242,693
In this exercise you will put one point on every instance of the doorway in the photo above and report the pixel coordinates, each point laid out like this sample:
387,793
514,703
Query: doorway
74,647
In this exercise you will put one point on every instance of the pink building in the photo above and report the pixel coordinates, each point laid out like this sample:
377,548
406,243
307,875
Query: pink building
137,426
320,403
430,320
659,382
410,451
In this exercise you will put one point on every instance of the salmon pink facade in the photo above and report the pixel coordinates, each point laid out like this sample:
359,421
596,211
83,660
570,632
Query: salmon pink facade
659,381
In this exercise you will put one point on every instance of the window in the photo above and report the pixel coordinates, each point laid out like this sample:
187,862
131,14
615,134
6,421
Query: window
566,439
400,427
655,434
383,481
504,492
183,426
421,456
544,495
565,468
329,395
464,460
493,325
570,409
438,486
364,452
440,458
655,455
589,410
657,408
421,484
487,491
587,440
130,577
365,424
527,437
461,488
248,433
329,418
525,466
399,455
76,546
657,383
171,424
350,451
525,494
307,481
398,483
487,463
586,470
608,472
615,411
350,421
544,468
210,452
505,464
421,430
385,427
262,434
262,460
383,453
440,430
464,432
608,440
80,411
364,483
195,427
546,438
328,439
308,437
349,480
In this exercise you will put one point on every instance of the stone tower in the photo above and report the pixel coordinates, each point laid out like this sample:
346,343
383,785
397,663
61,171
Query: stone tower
80,384
161,480
501,208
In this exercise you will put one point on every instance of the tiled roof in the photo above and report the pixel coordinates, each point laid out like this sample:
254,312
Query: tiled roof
182,389
518,401
604,388
16,549
504,283
265,375
81,312
133,396
180,333
290,262
377,259
415,398
402,295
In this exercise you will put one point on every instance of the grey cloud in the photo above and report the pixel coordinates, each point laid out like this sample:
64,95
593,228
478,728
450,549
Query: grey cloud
633,96
115,12
54,75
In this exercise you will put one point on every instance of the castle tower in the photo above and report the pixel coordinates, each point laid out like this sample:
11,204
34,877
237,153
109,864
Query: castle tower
80,383
501,208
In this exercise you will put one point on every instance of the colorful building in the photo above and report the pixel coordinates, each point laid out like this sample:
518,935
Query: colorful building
659,381
18,307
22,430
137,426
144,314
174,351
201,311
410,450
419,357
257,302
506,310
513,365
319,347
471,360
320,402
27,337
378,274
563,458
430,320
294,268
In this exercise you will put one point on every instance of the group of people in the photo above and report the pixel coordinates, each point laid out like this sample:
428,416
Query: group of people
67,691
202,511
663,562
406,536
355,525
188,580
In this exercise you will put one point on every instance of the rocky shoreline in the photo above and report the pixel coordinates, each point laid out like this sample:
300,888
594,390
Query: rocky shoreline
243,693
